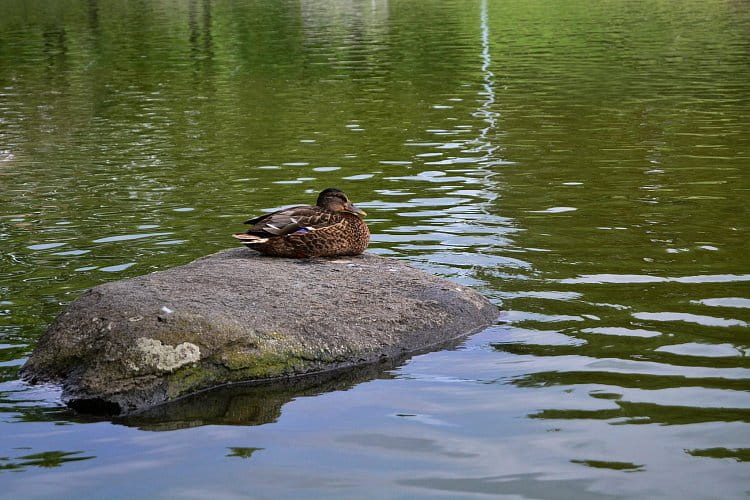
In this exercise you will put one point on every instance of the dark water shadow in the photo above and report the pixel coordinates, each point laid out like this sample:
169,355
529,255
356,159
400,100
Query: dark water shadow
248,403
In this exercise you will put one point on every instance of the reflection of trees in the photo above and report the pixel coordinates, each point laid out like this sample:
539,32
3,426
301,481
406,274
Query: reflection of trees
609,382
738,454
201,42
45,459
626,348
243,452
626,380
8,373
26,410
650,413
12,353
605,464
627,412
92,8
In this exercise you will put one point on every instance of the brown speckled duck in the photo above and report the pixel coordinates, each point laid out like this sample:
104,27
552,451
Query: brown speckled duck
332,227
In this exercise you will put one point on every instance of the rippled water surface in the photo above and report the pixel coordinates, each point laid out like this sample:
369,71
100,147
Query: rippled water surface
583,164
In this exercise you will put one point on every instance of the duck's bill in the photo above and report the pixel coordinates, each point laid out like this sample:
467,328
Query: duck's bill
350,207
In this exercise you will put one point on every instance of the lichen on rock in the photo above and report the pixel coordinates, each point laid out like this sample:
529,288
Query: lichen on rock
151,356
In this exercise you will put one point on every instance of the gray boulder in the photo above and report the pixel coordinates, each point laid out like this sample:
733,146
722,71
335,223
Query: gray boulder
236,316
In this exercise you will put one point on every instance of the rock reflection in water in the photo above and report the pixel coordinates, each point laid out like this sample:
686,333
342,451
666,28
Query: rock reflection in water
247,404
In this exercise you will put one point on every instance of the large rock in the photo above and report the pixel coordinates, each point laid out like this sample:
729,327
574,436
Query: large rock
235,317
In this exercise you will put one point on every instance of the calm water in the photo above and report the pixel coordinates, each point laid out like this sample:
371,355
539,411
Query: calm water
586,165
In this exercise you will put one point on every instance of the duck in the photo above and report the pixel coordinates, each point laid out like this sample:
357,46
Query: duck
333,227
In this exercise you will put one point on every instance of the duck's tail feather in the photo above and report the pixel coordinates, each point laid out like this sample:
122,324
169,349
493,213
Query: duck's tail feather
250,239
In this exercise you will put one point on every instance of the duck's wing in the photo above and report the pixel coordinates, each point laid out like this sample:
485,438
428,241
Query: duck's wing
291,220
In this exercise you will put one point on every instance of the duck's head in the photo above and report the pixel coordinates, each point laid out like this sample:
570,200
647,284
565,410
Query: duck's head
336,201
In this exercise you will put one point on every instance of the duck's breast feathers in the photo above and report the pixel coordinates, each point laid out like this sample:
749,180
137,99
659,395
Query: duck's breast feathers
291,220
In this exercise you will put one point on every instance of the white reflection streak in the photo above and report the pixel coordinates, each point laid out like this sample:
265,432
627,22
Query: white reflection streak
483,143
485,111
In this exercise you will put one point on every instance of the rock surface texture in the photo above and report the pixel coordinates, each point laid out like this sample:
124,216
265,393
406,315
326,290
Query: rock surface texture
235,317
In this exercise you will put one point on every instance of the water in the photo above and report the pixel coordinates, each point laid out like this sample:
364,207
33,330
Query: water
583,165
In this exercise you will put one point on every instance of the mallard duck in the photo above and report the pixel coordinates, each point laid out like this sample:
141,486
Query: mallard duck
332,227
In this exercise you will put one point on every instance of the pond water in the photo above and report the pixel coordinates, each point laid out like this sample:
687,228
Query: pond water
586,165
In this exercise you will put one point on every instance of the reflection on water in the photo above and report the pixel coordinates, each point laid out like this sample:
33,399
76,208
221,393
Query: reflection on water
248,404
585,166
45,459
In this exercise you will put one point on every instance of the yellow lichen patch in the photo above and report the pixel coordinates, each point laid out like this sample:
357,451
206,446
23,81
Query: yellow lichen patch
150,355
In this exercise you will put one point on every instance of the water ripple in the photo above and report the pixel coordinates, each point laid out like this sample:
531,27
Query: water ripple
635,278
690,318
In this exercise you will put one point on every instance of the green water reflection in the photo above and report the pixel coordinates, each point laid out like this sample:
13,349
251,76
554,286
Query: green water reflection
585,165
45,459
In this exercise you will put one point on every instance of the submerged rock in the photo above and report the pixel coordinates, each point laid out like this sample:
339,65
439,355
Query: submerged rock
238,317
